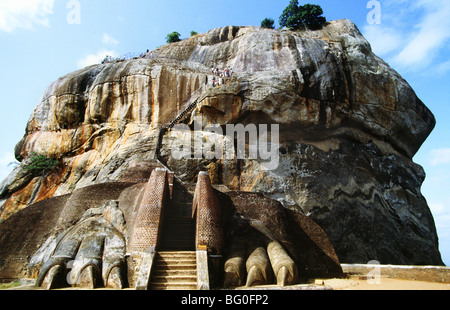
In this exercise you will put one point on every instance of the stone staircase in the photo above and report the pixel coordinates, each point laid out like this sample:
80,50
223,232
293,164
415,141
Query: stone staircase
174,271
179,234
175,263
178,231
163,130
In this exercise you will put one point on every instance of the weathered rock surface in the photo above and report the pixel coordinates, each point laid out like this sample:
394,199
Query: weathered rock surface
349,127
82,239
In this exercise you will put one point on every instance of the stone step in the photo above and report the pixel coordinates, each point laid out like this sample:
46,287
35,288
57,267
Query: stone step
180,220
178,256
177,253
178,234
174,271
175,238
182,233
173,286
175,241
175,279
181,247
178,231
177,267
173,228
176,261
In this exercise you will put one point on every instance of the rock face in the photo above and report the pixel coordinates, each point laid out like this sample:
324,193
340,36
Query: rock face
349,126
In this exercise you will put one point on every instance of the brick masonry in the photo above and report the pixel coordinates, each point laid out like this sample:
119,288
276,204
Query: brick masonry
206,208
147,226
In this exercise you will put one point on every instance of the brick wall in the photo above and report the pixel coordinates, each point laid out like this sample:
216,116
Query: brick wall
207,209
147,225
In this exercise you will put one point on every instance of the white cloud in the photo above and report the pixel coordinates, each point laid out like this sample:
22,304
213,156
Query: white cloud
437,208
440,156
441,215
24,14
108,40
431,33
440,209
443,68
93,59
414,35
383,39
5,165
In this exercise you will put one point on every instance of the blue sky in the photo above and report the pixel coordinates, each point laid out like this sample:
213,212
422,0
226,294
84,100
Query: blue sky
41,40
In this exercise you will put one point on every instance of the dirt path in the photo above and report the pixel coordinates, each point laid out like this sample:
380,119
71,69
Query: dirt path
384,284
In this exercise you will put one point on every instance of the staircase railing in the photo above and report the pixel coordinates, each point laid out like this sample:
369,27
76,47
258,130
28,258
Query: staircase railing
163,130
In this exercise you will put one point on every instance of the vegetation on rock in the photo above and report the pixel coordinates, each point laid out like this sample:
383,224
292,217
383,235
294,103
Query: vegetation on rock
308,16
40,164
268,23
173,37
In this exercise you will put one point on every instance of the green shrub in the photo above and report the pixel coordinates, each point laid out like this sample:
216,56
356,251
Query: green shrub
40,164
268,23
173,37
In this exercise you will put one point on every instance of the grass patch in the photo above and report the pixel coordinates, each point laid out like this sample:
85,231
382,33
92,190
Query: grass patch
5,286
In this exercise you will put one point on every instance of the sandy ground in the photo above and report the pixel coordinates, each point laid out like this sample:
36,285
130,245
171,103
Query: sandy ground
353,283
356,283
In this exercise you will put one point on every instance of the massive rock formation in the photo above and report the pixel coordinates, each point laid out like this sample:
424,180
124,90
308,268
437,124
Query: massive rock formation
349,126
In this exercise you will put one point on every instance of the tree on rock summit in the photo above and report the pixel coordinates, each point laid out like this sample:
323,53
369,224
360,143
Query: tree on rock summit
308,16
173,37
268,23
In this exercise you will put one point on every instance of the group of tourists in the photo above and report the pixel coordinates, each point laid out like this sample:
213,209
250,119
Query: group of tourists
226,72
222,76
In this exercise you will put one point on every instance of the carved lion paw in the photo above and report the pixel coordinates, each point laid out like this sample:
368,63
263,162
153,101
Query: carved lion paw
257,260
90,254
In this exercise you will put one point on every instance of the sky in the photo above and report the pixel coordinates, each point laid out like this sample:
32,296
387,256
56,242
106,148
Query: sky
41,40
